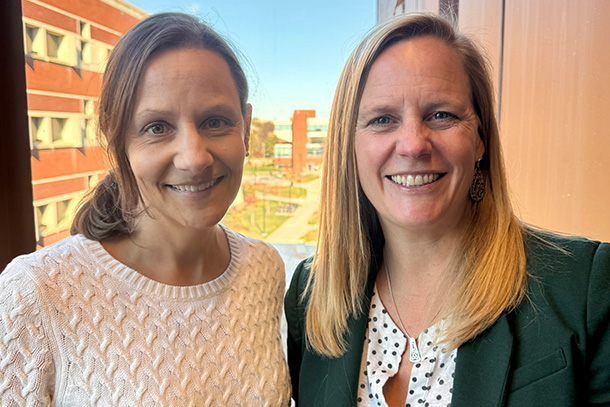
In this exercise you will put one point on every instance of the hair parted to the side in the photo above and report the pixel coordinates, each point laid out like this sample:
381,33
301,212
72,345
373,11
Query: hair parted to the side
490,261
114,205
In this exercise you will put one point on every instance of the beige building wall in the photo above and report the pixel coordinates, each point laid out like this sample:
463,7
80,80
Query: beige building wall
551,63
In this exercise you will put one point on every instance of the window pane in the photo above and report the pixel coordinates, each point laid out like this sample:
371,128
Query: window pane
53,43
31,37
57,128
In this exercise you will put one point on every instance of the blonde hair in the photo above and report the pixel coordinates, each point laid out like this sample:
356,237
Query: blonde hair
490,263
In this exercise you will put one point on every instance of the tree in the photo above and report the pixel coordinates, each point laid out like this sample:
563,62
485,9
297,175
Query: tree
262,138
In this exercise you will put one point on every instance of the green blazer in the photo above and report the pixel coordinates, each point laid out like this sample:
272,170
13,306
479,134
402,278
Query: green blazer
553,350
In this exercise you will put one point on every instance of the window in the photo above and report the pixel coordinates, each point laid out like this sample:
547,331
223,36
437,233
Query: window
64,214
85,52
282,151
55,216
85,30
57,132
44,220
315,150
92,180
33,40
53,44
38,133
88,130
317,127
58,128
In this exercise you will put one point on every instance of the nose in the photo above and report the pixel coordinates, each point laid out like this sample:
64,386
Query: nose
193,150
412,140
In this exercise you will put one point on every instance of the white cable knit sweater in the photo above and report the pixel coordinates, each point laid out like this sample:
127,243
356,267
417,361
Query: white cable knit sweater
78,328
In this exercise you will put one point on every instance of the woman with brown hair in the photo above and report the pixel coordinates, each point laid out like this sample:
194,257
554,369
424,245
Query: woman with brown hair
425,288
151,302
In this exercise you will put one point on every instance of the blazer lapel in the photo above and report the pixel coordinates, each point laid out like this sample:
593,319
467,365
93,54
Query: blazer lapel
482,367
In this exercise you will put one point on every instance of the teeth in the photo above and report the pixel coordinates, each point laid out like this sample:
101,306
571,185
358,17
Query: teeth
417,181
193,188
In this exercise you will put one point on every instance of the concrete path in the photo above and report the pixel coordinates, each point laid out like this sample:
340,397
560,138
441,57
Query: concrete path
294,228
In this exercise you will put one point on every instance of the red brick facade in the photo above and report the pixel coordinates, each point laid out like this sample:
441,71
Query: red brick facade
299,138
58,91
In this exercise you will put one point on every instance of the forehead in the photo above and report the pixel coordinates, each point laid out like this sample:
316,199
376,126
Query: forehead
419,60
197,68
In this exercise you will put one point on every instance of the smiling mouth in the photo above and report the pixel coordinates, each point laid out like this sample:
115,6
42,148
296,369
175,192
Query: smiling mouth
415,181
195,188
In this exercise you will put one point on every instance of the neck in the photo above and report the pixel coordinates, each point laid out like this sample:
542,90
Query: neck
421,275
422,261
173,256
423,252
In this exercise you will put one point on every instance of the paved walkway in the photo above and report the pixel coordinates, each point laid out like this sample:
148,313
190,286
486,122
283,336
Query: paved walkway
294,228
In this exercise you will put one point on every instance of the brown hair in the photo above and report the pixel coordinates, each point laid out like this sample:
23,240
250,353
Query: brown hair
111,208
490,263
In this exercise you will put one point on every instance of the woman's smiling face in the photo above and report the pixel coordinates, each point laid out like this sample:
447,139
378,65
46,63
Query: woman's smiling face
416,138
188,138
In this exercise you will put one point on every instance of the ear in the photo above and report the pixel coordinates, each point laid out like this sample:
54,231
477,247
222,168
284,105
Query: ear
248,121
480,148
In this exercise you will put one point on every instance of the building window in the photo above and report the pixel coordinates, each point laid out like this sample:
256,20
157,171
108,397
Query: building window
64,214
88,129
93,180
317,127
33,40
55,132
85,30
55,217
45,218
38,133
315,150
58,129
53,44
282,151
85,53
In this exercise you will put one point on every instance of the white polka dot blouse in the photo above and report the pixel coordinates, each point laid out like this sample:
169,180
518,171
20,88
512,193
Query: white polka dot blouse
431,382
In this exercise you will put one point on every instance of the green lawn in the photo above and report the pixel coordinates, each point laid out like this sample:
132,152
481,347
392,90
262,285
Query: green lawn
281,191
263,170
311,236
287,191
255,222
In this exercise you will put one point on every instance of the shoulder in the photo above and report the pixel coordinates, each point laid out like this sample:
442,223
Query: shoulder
569,276
565,318
55,269
295,301
301,276
40,264
254,252
549,252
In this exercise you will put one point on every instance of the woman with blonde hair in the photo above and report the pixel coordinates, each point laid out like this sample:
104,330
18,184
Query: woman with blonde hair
425,288
151,302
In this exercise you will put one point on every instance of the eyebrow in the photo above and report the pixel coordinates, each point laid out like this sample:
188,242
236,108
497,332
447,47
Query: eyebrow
224,108
376,109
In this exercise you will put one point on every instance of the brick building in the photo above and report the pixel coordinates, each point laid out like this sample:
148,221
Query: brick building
303,151
67,43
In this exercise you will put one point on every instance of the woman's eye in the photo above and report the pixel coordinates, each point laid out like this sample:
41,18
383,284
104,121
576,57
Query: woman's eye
156,128
380,121
443,116
216,123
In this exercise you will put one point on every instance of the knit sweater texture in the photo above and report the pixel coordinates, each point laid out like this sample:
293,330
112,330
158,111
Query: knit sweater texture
78,328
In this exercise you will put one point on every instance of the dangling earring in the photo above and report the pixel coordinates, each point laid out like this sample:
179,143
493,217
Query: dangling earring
247,154
477,189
